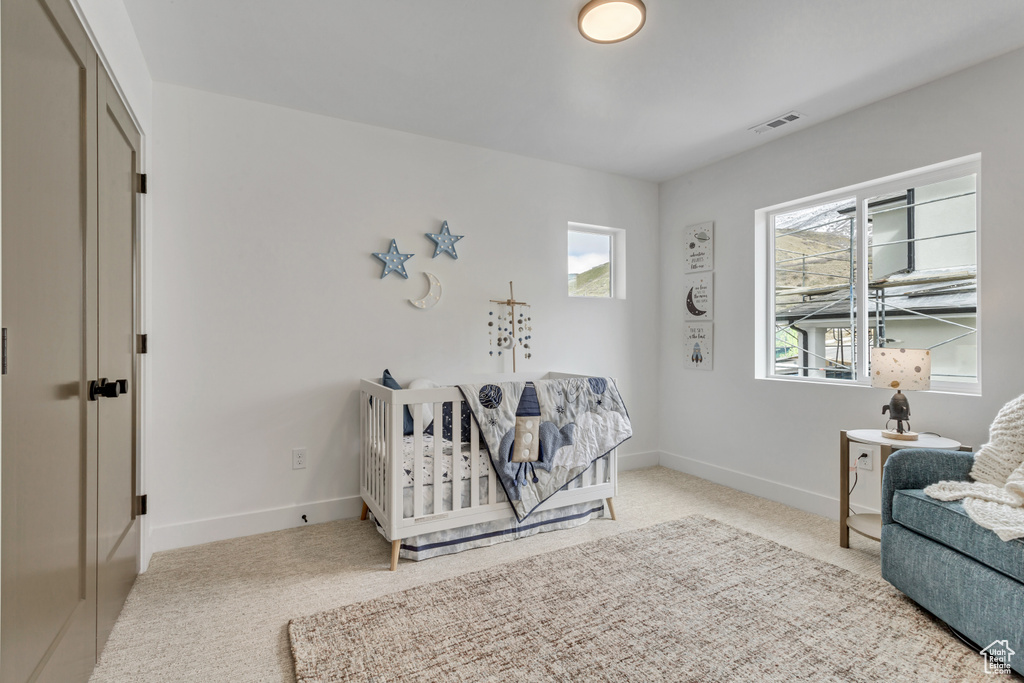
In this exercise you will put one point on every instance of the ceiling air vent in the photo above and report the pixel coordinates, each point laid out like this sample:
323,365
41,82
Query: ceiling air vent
778,122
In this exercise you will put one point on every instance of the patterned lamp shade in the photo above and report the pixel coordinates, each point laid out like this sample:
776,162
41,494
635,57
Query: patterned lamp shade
902,369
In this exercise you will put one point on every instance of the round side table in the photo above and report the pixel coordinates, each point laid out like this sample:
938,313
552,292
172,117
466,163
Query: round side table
870,525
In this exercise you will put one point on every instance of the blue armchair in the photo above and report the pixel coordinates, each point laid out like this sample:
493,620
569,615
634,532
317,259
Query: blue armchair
936,555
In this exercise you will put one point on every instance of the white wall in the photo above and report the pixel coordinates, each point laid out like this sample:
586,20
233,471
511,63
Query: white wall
267,306
780,439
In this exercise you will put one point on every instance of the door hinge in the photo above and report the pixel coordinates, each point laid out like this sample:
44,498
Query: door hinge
3,362
143,185
142,343
140,504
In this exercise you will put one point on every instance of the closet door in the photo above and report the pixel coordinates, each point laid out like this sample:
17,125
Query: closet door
48,556
118,530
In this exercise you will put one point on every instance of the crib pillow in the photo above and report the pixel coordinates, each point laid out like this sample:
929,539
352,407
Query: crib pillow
428,408
389,381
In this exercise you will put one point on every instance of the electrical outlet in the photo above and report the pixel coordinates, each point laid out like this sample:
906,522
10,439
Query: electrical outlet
865,459
298,458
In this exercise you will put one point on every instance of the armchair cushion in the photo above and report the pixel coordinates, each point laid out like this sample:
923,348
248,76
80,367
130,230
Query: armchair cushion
915,468
948,523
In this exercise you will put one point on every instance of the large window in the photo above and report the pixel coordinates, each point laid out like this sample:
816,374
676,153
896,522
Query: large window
889,263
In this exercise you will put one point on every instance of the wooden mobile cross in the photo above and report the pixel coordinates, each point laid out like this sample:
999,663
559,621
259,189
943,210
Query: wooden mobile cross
511,303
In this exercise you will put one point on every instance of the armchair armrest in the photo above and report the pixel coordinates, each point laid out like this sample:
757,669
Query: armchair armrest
916,468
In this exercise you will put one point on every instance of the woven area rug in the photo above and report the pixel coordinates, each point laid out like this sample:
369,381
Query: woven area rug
689,600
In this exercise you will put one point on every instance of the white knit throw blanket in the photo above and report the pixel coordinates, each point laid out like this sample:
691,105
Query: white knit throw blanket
995,499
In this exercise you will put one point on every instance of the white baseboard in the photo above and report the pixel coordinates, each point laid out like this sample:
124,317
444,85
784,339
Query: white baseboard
249,523
201,531
802,499
170,536
636,461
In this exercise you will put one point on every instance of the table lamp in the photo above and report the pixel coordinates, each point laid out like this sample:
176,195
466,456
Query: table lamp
902,370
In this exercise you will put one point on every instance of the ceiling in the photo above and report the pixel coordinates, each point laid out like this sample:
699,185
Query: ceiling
516,76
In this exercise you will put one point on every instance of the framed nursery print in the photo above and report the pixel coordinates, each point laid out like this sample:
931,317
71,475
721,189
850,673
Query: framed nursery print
699,296
699,247
698,346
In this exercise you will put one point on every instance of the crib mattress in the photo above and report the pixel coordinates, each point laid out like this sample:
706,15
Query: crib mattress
463,465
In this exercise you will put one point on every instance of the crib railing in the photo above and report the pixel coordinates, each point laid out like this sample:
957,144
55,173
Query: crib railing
373,457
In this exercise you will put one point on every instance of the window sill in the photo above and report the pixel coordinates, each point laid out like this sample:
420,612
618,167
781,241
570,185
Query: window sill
944,388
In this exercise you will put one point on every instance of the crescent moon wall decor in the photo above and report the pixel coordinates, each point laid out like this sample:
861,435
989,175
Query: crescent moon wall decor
432,296
699,296
691,307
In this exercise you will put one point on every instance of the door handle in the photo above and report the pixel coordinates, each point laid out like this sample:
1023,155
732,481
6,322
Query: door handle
103,388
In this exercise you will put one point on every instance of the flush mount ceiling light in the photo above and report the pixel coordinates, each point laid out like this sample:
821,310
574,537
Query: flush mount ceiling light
611,21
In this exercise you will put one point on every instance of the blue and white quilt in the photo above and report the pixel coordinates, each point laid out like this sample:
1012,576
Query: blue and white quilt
541,435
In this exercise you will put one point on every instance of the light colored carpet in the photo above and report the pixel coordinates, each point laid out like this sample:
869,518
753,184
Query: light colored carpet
219,612
690,600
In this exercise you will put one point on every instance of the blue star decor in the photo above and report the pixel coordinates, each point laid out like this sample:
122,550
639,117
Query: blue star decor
394,261
445,241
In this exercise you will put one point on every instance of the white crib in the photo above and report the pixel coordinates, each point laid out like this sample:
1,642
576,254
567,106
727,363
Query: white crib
381,484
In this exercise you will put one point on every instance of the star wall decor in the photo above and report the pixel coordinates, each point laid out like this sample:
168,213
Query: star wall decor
394,261
445,241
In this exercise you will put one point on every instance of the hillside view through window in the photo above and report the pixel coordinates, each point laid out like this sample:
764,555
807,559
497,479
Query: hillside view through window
590,256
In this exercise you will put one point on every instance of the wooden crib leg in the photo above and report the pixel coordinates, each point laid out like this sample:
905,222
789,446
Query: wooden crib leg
362,515
395,546
611,508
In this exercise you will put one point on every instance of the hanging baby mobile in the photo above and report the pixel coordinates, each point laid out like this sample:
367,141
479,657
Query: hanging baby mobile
508,328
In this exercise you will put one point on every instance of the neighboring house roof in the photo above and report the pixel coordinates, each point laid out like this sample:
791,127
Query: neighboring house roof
928,291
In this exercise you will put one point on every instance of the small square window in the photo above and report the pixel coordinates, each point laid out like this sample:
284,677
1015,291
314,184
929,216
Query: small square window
590,264
597,262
